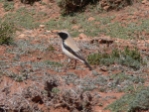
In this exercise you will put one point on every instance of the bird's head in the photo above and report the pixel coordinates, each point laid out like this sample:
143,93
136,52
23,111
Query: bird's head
63,35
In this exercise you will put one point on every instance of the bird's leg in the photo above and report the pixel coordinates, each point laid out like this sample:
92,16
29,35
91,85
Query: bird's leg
75,64
68,61
66,66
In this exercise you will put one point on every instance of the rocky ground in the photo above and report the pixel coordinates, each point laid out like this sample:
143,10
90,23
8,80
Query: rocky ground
32,75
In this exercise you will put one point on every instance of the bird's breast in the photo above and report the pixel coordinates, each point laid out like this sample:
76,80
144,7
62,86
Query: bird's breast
66,52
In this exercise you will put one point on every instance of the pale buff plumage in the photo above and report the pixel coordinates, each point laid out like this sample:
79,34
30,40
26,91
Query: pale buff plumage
71,43
73,50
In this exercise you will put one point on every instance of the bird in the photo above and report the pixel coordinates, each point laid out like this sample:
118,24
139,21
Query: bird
70,49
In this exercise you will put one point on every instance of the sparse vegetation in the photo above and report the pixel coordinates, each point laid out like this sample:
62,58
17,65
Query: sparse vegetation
8,6
23,18
71,6
55,90
100,26
133,102
128,31
80,23
123,82
31,2
54,64
32,74
7,30
130,58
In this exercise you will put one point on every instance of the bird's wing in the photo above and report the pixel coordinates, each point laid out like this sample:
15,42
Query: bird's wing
71,43
78,56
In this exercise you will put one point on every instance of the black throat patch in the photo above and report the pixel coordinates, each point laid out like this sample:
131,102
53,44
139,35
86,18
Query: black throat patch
63,36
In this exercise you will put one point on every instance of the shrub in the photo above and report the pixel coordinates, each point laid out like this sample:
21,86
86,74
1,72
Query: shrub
114,4
7,29
8,6
123,82
127,57
134,102
31,2
68,6
23,18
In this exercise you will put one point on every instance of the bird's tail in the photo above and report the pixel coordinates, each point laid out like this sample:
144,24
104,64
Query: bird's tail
87,64
84,61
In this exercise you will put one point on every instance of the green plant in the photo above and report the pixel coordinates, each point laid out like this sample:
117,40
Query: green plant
118,5
134,102
119,77
52,63
7,30
127,57
121,104
23,18
69,6
131,58
130,30
50,48
125,82
31,2
8,5
55,90
42,3
102,89
19,78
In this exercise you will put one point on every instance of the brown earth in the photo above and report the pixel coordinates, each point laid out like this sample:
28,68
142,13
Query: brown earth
34,92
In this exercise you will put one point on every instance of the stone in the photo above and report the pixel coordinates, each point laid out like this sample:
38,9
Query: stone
106,7
144,1
21,36
104,68
75,27
82,36
54,31
91,19
41,26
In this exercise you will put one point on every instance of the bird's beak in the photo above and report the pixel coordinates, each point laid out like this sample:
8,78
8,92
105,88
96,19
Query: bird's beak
57,33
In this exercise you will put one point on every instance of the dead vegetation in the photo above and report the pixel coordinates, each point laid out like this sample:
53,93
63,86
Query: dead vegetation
32,76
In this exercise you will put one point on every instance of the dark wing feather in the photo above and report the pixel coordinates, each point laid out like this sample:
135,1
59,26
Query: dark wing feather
78,56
